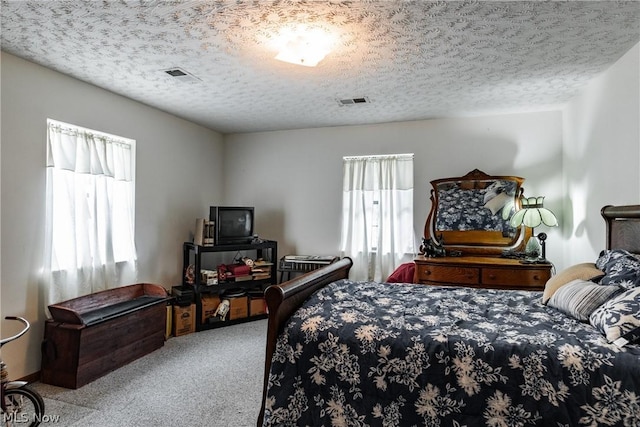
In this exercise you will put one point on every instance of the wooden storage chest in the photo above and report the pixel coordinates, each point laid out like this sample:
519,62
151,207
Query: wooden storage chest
93,335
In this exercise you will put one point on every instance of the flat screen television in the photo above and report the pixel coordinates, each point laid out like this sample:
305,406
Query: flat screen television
233,224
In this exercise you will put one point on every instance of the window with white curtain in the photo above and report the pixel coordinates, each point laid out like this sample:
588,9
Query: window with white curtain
90,217
377,214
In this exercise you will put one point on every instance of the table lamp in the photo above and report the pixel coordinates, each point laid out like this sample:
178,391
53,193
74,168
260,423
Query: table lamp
532,214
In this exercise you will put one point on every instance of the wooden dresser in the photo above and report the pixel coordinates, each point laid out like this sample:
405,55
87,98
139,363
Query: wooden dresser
482,272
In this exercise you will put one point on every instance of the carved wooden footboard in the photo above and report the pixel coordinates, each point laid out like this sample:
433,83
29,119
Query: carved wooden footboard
285,298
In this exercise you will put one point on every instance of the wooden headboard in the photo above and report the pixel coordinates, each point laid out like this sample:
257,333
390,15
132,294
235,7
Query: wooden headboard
623,227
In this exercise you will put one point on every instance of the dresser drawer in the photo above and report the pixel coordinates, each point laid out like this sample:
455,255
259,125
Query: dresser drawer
482,272
525,278
448,274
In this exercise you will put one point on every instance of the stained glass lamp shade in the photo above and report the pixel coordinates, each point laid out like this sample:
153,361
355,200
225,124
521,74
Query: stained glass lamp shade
533,214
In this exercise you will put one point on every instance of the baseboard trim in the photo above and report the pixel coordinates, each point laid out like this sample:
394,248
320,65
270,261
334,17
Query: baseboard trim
31,378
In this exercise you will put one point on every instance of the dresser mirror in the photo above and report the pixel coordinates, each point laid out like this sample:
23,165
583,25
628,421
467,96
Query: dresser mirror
470,214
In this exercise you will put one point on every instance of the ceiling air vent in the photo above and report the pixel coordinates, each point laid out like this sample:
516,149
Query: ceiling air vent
353,101
181,75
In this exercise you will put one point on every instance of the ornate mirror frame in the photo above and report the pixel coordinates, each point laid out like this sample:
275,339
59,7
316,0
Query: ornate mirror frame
470,214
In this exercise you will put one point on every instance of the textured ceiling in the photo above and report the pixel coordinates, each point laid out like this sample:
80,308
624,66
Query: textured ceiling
411,59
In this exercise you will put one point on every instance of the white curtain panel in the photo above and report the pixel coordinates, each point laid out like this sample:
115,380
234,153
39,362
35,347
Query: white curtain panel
89,230
377,214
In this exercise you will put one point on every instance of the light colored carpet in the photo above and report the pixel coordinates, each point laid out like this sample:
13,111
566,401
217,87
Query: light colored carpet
211,378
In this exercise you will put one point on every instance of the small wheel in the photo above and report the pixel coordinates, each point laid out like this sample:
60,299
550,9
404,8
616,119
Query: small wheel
25,407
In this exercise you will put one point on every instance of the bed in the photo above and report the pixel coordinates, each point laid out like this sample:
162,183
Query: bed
378,354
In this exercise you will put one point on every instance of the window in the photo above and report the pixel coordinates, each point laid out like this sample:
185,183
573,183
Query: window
90,218
377,214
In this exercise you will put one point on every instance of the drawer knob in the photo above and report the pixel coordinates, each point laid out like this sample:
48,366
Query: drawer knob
427,272
492,276
536,277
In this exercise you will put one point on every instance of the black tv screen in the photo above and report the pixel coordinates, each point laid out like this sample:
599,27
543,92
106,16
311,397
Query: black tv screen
233,224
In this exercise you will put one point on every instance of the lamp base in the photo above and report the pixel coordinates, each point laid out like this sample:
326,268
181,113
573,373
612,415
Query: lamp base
533,248
534,261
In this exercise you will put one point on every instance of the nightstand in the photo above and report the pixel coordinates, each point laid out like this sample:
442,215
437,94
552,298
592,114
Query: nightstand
482,272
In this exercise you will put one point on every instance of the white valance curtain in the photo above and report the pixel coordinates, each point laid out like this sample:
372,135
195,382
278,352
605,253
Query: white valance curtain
377,214
89,229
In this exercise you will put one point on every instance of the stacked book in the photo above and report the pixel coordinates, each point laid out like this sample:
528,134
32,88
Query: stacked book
239,272
205,232
261,269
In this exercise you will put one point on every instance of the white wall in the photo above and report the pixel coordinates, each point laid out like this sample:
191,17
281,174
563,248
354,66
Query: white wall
601,154
294,178
179,174
581,159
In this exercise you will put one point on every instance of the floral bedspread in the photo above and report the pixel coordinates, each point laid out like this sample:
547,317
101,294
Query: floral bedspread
375,354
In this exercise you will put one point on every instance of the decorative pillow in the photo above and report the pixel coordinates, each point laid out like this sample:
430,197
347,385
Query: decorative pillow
580,298
403,274
584,271
619,318
497,202
620,267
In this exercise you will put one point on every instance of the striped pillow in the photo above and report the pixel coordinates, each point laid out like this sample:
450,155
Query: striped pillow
583,271
580,298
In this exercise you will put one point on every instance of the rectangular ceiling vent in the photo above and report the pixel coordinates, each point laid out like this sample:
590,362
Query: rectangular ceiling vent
353,101
181,75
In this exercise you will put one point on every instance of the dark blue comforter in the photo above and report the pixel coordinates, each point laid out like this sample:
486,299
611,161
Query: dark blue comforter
372,354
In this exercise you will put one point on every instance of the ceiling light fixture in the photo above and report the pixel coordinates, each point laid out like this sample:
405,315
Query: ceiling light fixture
303,45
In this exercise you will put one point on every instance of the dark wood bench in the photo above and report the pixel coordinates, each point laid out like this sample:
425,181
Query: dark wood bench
95,334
